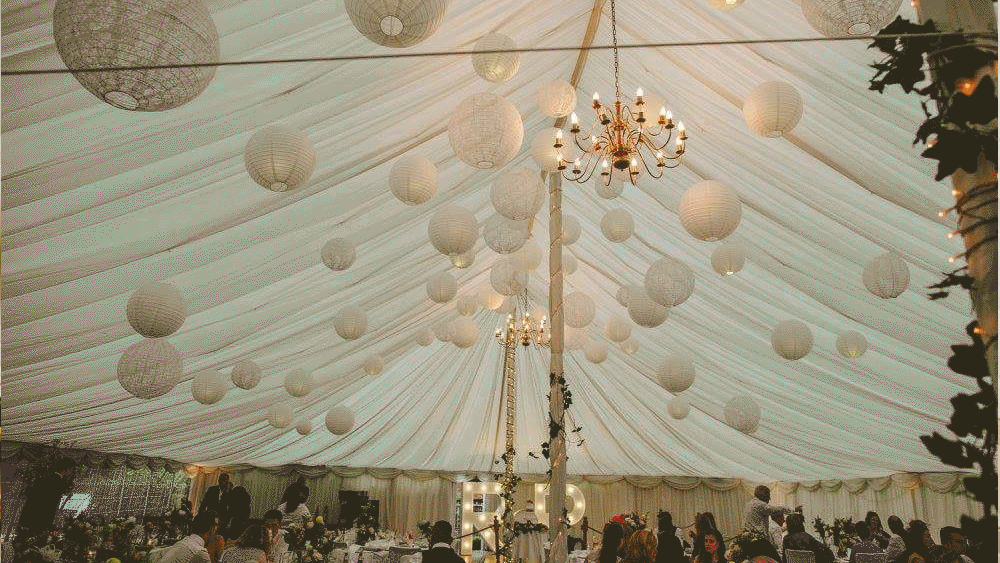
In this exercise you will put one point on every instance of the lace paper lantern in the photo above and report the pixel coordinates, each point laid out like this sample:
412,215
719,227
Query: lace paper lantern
442,287
280,416
570,230
299,382
578,309
489,298
351,323
618,329
280,158
463,260
453,230
373,364
574,338
424,336
338,254
517,194
246,374
557,98
610,190
773,109
569,264
402,23
710,210
503,235
728,259
207,387
339,420
675,373
467,305
156,310
506,279
527,258
851,344
595,352
622,296
743,414
837,18
669,281
444,331
617,225
792,339
643,310
485,131
544,153
144,33
886,276
726,5
678,408
304,428
630,346
508,306
413,180
496,67
150,368
466,332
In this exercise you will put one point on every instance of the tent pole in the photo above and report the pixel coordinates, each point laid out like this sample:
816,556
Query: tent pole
557,443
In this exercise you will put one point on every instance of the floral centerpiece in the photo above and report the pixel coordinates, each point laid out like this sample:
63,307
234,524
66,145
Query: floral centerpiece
425,529
630,521
741,545
844,535
822,528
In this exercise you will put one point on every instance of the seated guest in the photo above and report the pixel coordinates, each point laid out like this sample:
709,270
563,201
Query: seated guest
294,512
441,550
611,542
953,547
668,545
640,547
867,543
276,536
776,532
251,547
878,534
800,540
704,522
192,549
296,491
713,548
918,543
896,545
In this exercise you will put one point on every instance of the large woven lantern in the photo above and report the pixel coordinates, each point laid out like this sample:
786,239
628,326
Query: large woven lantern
299,382
485,131
401,23
743,414
557,98
508,306
595,352
726,5
208,387
570,229
851,344
575,338
669,281
527,258
339,420
792,339
280,416
886,276
496,67
351,323
442,287
569,264
304,427
467,305
678,408
578,309
373,364
444,331
156,310
773,109
413,180
338,254
618,329
463,260
517,194
150,368
643,310
246,374
489,298
280,158
622,295
91,34
506,279
728,259
837,18
675,373
424,336
608,190
630,346
710,210
453,230
617,225
466,332
544,153
504,235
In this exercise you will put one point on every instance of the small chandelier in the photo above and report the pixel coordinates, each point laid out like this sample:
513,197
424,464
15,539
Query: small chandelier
622,138
527,331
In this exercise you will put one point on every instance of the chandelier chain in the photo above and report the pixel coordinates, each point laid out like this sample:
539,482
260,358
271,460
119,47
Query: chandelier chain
614,49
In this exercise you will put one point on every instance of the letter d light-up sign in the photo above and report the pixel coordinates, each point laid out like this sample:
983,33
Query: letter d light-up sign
575,510
474,514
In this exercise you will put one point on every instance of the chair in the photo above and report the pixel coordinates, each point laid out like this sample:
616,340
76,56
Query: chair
155,554
797,556
870,558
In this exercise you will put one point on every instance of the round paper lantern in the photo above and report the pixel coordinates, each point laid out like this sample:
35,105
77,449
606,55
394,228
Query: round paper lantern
630,346
304,427
444,331
280,158
339,420
504,235
150,368
710,210
570,230
373,364
246,374
299,382
773,109
467,305
743,414
442,287
351,323
466,332
279,416
569,263
156,310
596,352
617,225
624,291
608,187
496,67
403,23
618,328
544,152
138,33
463,260
557,98
792,339
851,344
675,373
669,281
413,180
527,258
506,279
517,193
886,276
578,309
727,259
508,306
489,298
424,336
678,408
207,387
485,131
726,5
574,338
643,310
453,230
338,254
849,17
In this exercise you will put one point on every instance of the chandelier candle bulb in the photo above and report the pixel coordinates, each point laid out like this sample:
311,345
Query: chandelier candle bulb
574,123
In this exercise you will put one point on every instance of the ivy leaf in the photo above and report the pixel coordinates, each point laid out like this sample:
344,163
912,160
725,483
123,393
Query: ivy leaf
954,149
951,452
979,108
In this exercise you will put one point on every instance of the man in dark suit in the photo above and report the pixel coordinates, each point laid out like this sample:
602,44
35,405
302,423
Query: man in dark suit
440,550
215,498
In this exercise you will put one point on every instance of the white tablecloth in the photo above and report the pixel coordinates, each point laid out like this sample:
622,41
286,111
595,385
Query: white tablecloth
578,556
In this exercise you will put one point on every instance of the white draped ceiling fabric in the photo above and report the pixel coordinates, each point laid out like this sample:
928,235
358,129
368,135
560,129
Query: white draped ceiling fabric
97,201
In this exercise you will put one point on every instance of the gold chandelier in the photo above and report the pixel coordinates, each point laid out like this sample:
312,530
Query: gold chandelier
622,138
527,330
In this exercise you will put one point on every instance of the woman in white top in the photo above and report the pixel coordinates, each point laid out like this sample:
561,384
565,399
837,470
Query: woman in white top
294,512
251,547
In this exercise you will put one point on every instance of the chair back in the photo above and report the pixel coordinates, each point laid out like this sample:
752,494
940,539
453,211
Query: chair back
797,556
870,558
155,554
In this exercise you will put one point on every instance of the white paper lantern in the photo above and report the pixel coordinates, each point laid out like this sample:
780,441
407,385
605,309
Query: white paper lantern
710,210
464,260
618,329
675,373
617,225
504,235
299,382
373,364
304,427
557,98
608,187
726,5
643,310
622,296
569,263
339,420
506,279
246,374
595,352
508,306
837,18
466,332
570,229
467,305
743,414
138,33
150,368
496,67
526,258
485,131
728,259
489,298
442,287
544,152
280,416
630,346
574,338
792,339
338,254
156,309
578,309
424,336
402,23
280,158
773,109
207,387
413,180
669,281
351,323
453,230
851,344
678,408
444,331
517,193
886,276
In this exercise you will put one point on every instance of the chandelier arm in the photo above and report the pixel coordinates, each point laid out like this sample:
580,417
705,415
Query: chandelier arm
656,147
588,169
642,159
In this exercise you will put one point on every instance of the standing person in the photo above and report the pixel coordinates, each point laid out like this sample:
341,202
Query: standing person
192,549
238,511
441,550
296,491
294,511
41,501
759,511
713,548
251,547
867,543
668,545
877,532
214,499
640,547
